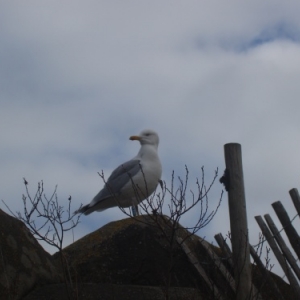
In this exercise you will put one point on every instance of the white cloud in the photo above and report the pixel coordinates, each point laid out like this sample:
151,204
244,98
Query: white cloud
78,78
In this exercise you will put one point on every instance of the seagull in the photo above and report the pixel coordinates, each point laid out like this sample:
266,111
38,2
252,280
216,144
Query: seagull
133,181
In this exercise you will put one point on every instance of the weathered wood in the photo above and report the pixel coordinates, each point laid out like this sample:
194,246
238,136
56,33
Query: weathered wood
267,277
287,226
193,259
284,248
296,199
219,265
283,263
225,248
238,220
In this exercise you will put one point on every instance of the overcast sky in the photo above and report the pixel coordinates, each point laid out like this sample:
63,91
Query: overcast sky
77,78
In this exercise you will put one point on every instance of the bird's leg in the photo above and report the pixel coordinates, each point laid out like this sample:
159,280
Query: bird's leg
135,210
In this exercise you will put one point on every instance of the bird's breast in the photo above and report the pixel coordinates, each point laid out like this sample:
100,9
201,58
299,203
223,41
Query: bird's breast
145,181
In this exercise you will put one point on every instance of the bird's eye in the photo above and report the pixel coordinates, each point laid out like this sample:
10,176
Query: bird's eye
147,134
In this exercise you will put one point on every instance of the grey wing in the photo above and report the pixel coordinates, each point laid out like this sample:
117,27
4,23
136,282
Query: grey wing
119,177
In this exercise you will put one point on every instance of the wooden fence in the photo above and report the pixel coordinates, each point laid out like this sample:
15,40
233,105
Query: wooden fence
237,269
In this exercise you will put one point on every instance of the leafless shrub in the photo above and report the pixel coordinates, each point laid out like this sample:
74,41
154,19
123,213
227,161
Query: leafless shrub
48,221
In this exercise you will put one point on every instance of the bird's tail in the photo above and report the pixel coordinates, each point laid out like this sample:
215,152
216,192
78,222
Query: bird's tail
83,210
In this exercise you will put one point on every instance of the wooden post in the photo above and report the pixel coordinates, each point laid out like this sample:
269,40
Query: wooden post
281,259
287,226
218,264
225,248
195,262
296,199
238,220
284,248
265,273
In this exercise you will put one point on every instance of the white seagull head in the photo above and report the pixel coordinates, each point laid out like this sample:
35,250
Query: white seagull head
147,137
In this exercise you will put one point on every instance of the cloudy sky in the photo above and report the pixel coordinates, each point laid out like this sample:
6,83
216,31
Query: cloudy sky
78,78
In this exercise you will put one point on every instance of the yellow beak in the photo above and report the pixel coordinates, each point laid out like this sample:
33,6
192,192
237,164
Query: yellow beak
135,138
